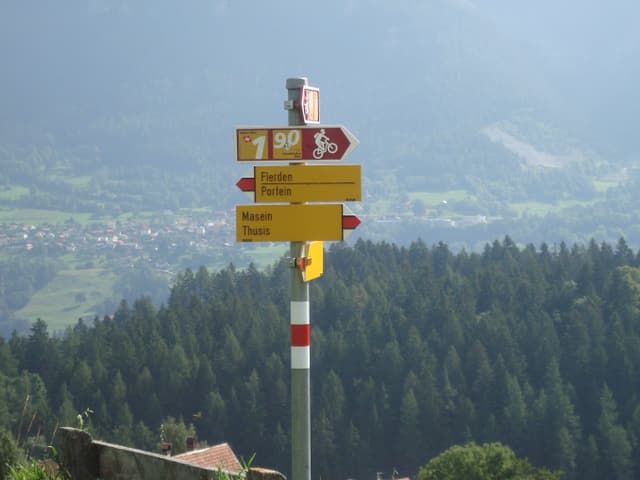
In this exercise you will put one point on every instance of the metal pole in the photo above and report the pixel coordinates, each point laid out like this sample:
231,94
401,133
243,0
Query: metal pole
300,340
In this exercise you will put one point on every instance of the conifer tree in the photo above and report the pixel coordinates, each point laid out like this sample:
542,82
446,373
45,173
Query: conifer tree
614,442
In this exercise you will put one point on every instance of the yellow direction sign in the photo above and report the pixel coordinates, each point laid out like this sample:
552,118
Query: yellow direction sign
292,223
304,183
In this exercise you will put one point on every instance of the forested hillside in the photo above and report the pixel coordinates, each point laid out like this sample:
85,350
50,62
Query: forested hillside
476,119
413,349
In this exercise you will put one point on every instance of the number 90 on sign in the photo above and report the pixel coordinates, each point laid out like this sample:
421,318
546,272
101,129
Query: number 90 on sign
268,144
287,144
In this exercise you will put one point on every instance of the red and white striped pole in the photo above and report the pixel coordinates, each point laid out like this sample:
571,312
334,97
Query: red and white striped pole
300,337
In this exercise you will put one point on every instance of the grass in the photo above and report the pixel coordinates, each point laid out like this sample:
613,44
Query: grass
13,192
382,206
70,295
540,209
431,199
537,209
79,181
264,256
134,217
602,186
34,216
30,471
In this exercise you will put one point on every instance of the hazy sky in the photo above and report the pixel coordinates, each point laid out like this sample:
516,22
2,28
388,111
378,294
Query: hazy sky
374,60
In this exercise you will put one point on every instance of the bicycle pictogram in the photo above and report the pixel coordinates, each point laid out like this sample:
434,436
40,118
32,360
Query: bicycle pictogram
323,145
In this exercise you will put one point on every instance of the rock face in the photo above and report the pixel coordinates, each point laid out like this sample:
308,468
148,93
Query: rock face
88,459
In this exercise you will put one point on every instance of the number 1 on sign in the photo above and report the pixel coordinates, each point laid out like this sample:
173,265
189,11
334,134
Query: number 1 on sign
269,144
259,143
252,144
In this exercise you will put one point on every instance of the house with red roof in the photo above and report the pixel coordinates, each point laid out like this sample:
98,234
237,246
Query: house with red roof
217,457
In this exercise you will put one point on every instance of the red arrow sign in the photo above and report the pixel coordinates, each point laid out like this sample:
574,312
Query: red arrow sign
247,184
322,142
350,222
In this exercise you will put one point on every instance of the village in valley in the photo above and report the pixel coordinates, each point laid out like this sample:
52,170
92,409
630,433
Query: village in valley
154,236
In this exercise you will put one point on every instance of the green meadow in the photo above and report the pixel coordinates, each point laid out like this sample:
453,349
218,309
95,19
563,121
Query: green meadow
33,216
432,199
267,255
70,295
540,209
13,192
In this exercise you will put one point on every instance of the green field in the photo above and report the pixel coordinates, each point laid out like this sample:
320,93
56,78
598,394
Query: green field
40,217
602,186
540,209
70,295
13,192
384,206
432,199
79,181
74,293
35,216
265,256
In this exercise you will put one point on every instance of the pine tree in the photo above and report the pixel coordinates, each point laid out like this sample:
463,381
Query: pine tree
67,413
323,439
215,417
563,433
332,398
515,415
409,436
614,442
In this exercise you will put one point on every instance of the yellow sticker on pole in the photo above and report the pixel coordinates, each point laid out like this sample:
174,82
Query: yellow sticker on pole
311,262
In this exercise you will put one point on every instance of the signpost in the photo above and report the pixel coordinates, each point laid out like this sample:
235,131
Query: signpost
304,183
293,223
262,144
304,225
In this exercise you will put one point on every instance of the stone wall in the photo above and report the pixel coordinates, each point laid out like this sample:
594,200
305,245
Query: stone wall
88,459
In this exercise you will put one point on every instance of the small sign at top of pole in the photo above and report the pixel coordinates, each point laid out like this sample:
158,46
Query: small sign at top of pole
309,104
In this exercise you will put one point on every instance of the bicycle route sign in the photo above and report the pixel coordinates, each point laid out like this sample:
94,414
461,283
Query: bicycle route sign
317,143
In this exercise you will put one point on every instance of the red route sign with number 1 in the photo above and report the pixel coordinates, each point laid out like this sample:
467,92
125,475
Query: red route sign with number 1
317,143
